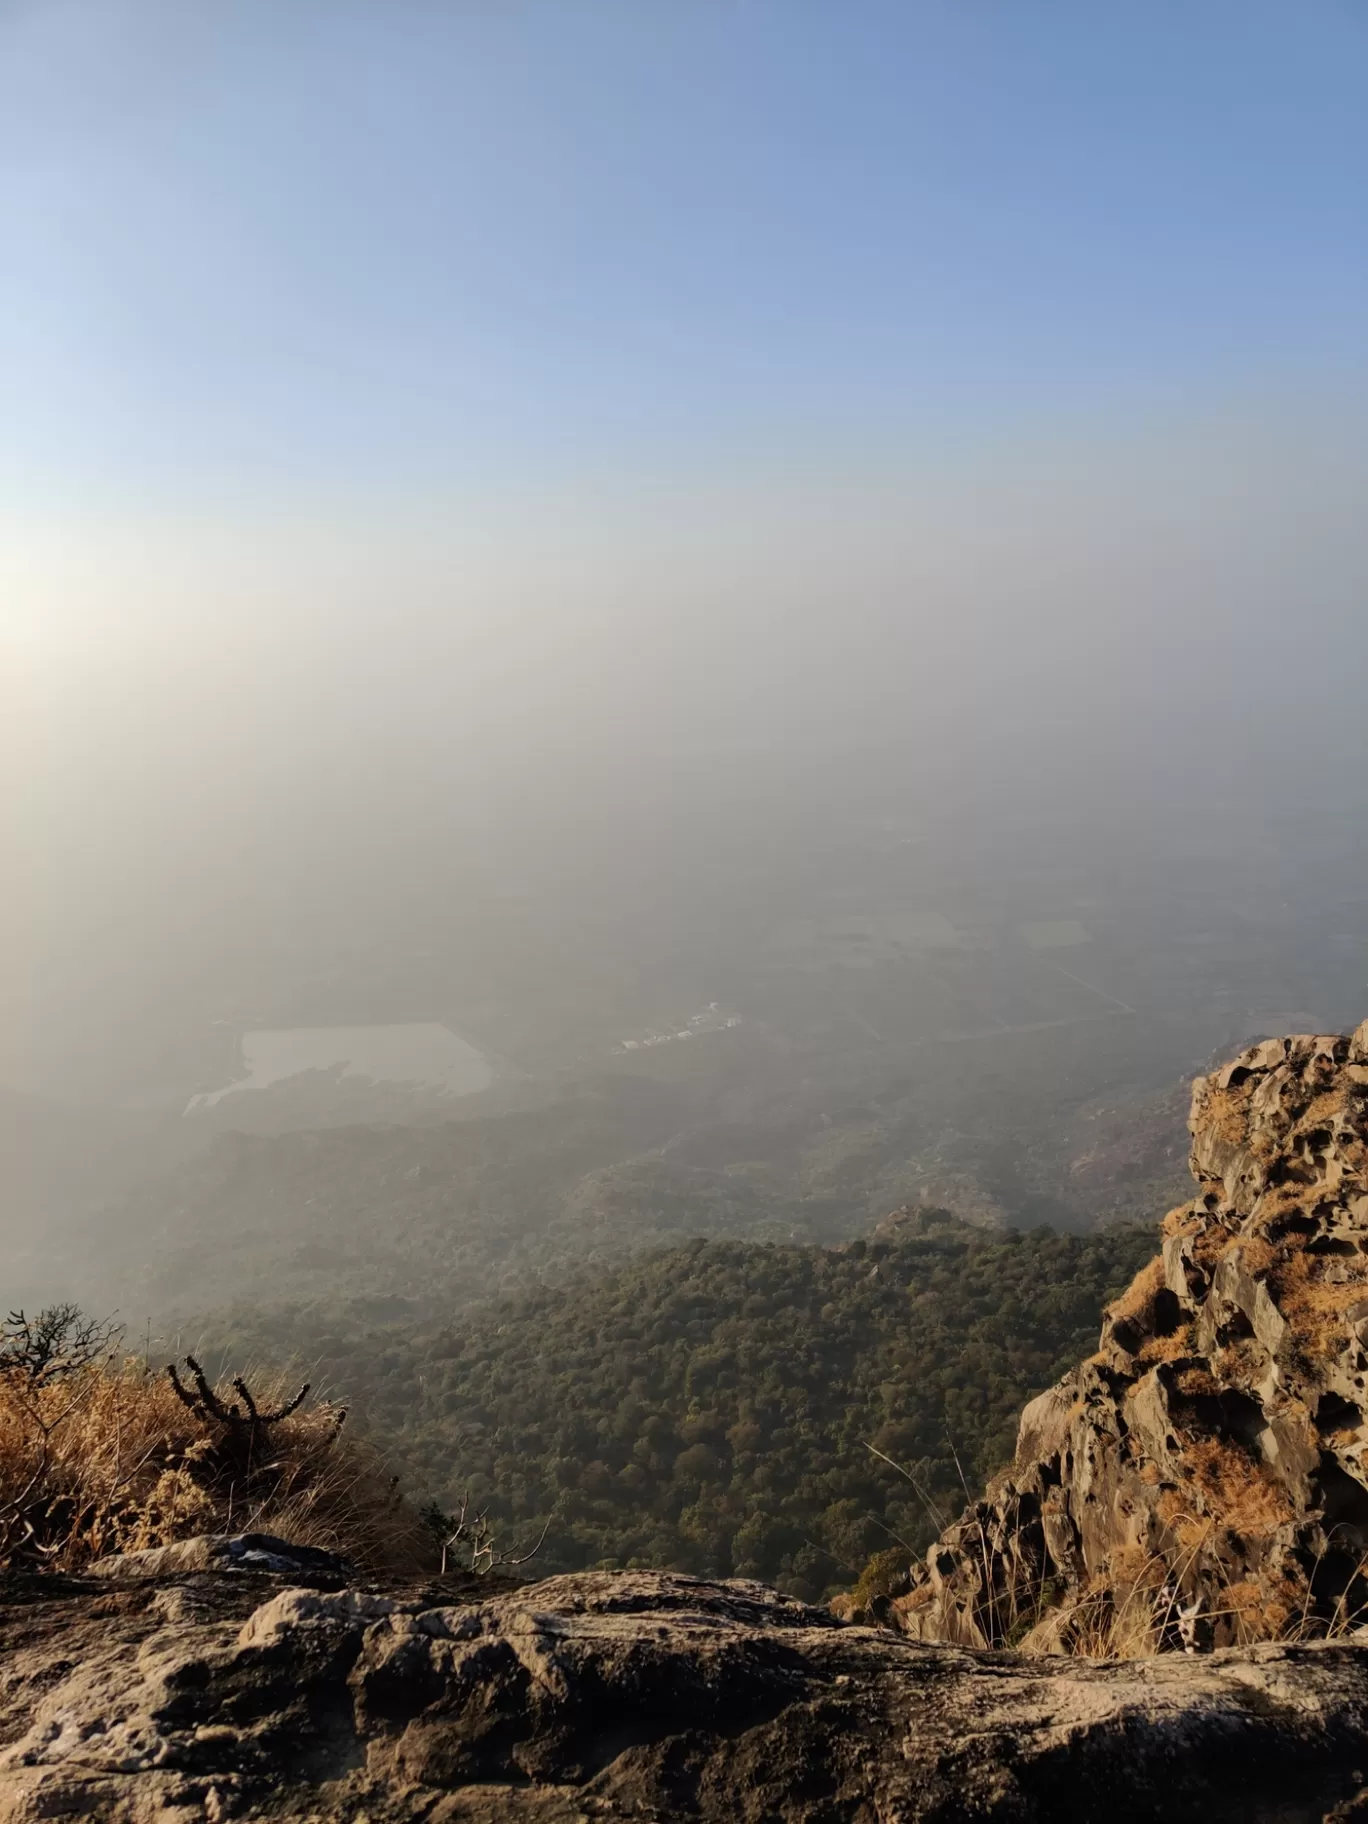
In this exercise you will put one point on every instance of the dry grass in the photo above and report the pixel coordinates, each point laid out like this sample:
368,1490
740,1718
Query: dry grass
1314,1304
1135,1610
1305,1285
1167,1348
1139,1614
1350,1612
1279,1200
1137,1301
1242,1359
1236,1490
1323,1110
1123,1615
1257,1254
1132,1608
1250,1608
1212,1240
1191,1530
1278,1613
108,1459
1226,1115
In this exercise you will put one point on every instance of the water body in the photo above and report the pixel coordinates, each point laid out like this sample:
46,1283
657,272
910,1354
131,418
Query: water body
421,1056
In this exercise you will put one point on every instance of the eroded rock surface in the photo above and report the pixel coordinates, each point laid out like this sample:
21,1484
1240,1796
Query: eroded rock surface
231,1552
643,1696
1203,1479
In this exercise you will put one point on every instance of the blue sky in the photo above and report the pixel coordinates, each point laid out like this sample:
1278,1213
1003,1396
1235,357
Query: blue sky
539,369
276,252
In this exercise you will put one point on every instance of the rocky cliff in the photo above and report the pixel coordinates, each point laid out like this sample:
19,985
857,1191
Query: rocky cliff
1202,1480
1200,1484
225,1695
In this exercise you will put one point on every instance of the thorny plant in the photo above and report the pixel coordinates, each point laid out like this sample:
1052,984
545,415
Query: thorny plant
236,1449
241,1424
247,1416
99,1455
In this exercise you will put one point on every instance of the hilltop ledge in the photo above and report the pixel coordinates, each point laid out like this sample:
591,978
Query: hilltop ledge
631,1695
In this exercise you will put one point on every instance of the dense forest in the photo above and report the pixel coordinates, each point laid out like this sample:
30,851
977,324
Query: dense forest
718,1407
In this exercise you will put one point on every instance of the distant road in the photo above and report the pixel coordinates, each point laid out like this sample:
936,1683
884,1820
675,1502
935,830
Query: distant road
1091,986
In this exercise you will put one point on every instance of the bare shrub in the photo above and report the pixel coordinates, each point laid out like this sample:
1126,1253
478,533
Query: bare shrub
468,1541
60,1340
99,1455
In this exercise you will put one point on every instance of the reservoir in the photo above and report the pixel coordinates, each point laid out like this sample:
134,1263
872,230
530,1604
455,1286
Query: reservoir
420,1055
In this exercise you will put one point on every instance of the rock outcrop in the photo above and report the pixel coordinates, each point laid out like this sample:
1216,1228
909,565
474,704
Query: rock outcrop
1203,1480
633,1695
1201,1483
226,1552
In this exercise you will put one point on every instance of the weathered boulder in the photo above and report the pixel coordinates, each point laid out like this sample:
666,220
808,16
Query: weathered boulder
635,1695
223,1552
1202,1480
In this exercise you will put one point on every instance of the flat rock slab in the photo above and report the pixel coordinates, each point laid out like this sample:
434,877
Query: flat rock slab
224,1552
633,1695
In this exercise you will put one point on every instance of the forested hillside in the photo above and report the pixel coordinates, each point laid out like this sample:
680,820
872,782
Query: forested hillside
438,1216
712,1407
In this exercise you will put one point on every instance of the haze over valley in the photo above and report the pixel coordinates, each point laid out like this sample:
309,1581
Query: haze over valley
992,1010
667,672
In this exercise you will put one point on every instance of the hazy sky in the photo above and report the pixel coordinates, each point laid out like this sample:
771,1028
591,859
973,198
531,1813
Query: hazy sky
254,248
384,386
299,301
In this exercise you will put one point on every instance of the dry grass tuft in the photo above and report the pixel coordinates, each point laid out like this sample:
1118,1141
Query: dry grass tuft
1314,1303
1167,1348
1123,1615
1179,1222
1250,1608
1305,1285
1323,1110
1137,1300
103,1456
1134,1610
1226,1115
1235,1490
1282,1200
1257,1254
1191,1530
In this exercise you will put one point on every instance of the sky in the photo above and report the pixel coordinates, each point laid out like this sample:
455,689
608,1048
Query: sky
403,390
298,300
256,251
